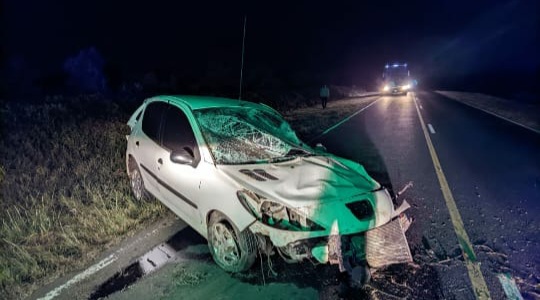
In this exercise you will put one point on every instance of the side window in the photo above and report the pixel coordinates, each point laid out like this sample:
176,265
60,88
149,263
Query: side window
152,119
177,132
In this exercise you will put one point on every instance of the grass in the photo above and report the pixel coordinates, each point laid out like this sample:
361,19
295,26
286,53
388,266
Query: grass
64,192
65,196
309,122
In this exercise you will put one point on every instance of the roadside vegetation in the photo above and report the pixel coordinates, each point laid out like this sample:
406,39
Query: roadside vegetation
65,196
64,193
311,121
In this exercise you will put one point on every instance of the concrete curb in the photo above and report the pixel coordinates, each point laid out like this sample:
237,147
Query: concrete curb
79,285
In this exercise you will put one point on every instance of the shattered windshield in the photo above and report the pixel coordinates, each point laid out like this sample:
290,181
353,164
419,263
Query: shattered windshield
247,135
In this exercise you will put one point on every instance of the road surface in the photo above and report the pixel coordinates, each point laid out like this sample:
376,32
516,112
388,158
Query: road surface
473,175
492,168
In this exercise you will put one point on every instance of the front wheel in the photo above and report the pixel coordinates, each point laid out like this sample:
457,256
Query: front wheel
359,276
233,251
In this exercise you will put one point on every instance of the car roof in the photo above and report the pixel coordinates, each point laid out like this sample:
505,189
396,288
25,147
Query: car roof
200,102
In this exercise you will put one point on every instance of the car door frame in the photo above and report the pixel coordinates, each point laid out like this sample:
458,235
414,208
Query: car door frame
181,195
144,151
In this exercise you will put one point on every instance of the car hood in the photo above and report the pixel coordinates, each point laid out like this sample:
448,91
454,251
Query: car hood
303,180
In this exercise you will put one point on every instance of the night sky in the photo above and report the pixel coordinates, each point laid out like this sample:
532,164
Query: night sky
338,41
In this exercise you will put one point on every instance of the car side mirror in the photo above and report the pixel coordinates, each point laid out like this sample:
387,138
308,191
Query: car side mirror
320,147
183,156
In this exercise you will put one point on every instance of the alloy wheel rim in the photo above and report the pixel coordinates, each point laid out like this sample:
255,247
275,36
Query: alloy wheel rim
136,184
224,245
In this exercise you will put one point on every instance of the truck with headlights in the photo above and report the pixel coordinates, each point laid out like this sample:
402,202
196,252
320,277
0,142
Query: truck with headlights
396,79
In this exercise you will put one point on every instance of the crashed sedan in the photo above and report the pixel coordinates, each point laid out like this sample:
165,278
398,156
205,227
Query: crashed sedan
237,173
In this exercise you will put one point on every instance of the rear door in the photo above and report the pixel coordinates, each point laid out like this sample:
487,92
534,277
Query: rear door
147,145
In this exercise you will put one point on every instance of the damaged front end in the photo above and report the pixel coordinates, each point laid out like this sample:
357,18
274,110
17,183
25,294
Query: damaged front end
370,250
378,247
375,248
306,205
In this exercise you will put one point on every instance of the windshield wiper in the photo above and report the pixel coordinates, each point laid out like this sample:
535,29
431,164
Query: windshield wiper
282,158
292,154
298,152
250,162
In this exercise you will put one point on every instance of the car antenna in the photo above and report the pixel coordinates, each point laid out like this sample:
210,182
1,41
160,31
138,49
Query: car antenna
242,59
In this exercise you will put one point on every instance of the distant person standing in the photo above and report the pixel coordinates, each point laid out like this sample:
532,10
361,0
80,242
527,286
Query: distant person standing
325,94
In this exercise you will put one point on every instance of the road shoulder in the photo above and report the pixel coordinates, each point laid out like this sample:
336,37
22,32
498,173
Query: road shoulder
521,114
79,285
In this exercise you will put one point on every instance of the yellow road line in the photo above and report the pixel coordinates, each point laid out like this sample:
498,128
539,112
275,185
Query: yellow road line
481,290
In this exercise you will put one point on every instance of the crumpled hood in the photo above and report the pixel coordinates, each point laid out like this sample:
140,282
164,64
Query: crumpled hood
303,180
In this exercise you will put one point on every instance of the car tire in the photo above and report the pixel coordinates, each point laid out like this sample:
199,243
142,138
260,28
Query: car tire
359,276
137,183
232,250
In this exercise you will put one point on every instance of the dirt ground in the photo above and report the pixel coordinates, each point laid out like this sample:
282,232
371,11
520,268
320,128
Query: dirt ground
194,275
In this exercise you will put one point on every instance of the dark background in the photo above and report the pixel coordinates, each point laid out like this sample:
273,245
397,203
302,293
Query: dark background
466,45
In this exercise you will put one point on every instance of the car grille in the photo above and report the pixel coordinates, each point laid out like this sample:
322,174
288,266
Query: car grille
361,209
387,245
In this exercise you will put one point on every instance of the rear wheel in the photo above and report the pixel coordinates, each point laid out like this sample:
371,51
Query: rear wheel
232,250
137,183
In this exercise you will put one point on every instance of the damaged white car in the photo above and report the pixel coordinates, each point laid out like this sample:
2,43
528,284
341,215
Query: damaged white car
237,173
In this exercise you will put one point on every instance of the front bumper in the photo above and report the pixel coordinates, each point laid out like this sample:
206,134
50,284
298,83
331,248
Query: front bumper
380,246
397,90
337,219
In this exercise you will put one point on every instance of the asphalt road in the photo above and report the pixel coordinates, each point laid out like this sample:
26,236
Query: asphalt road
492,168
492,171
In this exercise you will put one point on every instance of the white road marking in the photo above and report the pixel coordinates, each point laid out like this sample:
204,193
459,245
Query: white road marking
348,118
431,129
509,286
93,269
418,101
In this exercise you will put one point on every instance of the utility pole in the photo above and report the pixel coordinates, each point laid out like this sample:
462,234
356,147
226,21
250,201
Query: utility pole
242,60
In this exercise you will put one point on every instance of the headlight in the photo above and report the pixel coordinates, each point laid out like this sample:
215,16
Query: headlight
384,207
406,87
275,214
386,88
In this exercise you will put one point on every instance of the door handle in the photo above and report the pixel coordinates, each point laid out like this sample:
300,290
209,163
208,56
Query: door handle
160,161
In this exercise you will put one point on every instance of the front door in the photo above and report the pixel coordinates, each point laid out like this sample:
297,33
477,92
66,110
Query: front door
180,184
